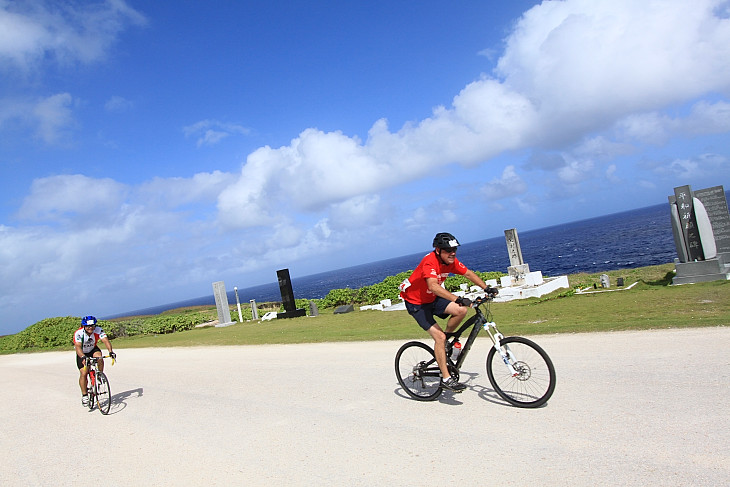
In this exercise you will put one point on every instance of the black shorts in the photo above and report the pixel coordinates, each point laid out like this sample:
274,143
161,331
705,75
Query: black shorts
424,313
79,364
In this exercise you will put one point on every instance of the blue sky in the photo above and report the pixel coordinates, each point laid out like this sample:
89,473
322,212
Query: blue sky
148,149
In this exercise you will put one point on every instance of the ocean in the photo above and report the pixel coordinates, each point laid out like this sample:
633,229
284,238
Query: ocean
625,240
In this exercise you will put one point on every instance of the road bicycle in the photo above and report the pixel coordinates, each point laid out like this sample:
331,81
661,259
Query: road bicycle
519,370
100,393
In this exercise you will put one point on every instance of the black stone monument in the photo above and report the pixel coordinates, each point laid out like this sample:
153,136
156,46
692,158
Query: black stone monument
287,296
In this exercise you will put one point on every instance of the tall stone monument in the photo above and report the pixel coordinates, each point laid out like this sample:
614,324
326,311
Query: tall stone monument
701,227
287,296
520,282
221,304
518,269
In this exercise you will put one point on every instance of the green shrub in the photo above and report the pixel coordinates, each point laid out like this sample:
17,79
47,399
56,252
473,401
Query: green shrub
338,297
48,333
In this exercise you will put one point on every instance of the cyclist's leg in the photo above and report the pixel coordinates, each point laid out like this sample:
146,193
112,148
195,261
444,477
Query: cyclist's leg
82,375
439,348
423,314
457,314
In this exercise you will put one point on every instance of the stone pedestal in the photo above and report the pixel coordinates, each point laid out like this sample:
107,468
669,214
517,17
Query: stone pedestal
715,269
518,273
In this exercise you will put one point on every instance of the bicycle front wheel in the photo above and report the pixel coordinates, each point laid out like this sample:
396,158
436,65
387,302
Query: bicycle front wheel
530,381
91,389
103,393
417,371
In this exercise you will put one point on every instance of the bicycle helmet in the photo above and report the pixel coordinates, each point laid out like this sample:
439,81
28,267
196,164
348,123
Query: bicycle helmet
88,321
445,240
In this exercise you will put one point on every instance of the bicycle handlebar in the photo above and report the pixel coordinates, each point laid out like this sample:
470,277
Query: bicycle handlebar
483,299
96,359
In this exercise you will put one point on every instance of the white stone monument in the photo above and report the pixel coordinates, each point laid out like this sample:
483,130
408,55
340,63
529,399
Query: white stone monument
221,304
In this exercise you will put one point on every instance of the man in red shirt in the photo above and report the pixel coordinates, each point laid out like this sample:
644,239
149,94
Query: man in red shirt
426,297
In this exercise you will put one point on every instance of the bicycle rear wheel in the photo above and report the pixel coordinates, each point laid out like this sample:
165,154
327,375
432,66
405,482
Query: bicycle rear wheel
417,371
103,393
534,381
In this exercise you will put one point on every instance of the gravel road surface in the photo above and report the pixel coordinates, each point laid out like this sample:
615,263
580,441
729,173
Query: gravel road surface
630,409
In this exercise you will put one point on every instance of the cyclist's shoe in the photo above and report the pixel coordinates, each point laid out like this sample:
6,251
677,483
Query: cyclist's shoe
85,401
452,385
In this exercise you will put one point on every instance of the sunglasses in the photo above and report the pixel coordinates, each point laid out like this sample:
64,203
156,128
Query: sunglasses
450,250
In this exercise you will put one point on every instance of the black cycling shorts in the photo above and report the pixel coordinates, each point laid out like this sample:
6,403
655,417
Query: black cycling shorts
424,313
79,364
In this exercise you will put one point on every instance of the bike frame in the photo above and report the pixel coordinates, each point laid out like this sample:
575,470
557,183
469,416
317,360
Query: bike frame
481,319
529,380
92,367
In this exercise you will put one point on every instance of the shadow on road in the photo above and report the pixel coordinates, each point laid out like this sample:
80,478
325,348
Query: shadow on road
119,400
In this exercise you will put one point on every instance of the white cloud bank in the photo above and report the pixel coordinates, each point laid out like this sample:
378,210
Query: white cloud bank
569,69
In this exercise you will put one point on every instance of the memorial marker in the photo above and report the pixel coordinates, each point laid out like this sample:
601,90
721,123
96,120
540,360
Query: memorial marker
701,227
287,296
518,269
221,304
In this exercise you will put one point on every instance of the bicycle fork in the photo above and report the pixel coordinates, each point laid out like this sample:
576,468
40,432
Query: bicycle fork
504,351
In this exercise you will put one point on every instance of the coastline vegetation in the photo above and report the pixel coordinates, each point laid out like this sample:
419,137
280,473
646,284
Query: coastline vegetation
652,303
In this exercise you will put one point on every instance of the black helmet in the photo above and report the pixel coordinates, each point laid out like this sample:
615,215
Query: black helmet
445,240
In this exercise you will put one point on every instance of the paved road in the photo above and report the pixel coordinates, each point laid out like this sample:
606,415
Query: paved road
630,409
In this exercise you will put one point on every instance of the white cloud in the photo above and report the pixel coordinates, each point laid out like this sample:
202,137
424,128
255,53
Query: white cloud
611,173
508,185
210,132
102,239
709,118
176,192
318,168
439,213
576,170
54,117
704,118
60,197
647,55
118,104
653,128
32,31
357,212
50,118
684,168
690,168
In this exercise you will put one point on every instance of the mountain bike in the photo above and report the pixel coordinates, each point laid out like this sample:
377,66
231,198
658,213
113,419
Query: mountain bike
519,370
98,385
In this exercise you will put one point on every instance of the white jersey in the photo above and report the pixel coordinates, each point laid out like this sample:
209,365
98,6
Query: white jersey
88,342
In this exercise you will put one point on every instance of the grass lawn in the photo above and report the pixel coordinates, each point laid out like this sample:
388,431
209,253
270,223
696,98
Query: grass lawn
650,304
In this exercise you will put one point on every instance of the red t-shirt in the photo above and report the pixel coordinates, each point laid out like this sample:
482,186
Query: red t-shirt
415,289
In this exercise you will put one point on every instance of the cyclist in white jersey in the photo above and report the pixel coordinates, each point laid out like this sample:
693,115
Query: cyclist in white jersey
86,341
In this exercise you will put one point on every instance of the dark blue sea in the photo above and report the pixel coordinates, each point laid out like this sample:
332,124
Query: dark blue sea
630,239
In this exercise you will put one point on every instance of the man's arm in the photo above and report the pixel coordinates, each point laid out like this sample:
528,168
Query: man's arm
77,347
438,289
108,345
475,279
